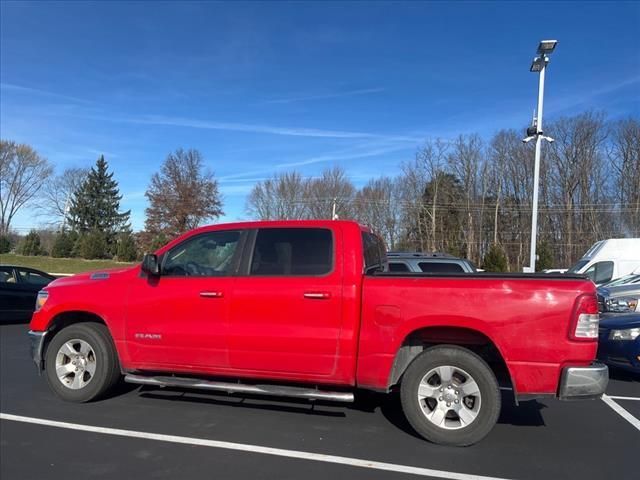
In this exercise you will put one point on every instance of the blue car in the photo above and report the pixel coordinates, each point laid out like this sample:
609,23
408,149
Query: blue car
619,341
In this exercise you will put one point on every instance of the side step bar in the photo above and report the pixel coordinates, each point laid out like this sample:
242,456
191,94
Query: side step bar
273,390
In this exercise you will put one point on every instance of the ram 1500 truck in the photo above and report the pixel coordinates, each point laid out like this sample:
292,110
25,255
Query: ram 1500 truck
306,309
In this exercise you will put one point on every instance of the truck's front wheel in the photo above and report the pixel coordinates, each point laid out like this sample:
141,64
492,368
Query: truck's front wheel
81,363
450,396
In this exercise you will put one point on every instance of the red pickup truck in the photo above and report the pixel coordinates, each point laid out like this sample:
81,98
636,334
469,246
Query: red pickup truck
306,309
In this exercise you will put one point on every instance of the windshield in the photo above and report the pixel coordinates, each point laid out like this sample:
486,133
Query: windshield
578,266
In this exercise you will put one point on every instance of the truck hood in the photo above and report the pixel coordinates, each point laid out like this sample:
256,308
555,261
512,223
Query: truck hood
621,291
105,274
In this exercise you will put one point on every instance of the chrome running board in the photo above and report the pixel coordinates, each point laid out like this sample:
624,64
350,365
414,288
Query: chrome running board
272,390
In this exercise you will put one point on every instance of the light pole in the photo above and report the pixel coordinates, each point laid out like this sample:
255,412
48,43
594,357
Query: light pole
539,65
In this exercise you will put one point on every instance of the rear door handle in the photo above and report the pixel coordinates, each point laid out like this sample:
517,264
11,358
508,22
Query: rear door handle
317,295
212,294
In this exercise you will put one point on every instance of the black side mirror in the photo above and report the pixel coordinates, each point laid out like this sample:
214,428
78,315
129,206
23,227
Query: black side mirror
150,264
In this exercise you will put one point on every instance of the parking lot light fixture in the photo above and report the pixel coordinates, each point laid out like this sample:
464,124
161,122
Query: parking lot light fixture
539,65
546,47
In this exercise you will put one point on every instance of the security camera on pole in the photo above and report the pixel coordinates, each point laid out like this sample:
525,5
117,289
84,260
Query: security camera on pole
539,65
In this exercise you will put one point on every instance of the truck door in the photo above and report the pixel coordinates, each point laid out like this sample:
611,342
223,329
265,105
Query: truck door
179,319
286,312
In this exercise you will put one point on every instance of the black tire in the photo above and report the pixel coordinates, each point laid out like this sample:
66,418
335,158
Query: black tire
416,410
107,366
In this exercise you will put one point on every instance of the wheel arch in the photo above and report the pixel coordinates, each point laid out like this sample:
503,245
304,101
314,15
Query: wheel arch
65,319
422,338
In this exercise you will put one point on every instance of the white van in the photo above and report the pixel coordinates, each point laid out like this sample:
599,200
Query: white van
609,259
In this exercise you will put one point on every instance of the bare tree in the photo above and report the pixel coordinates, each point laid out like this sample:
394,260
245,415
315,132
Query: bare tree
464,162
182,195
281,197
461,197
57,192
575,161
420,220
378,205
332,187
625,159
22,174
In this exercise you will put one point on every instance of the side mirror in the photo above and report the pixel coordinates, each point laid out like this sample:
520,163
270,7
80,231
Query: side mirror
150,264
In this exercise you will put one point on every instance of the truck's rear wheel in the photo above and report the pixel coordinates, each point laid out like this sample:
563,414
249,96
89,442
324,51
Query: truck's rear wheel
81,363
450,396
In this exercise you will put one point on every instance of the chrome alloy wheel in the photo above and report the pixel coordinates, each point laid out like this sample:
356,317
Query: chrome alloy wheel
449,397
75,364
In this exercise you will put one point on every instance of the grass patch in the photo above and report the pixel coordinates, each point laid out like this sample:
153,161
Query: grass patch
59,265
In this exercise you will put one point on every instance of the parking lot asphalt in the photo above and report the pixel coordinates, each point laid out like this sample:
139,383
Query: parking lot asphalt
222,436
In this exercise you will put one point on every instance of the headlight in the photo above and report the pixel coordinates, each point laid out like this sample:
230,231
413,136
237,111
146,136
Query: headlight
627,334
41,299
622,304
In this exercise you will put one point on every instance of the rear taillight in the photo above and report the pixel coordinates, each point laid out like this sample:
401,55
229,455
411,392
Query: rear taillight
585,320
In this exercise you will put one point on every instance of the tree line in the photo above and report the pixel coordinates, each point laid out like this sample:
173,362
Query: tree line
466,196
472,197
83,205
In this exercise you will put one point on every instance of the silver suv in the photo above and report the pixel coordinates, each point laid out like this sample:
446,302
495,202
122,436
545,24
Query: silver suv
428,263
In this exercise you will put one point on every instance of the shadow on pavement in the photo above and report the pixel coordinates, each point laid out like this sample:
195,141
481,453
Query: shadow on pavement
528,413
246,401
623,375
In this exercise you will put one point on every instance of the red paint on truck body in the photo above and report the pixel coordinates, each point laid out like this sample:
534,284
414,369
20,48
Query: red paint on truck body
347,332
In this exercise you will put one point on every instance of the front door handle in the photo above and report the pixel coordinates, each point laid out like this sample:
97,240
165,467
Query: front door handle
317,295
211,294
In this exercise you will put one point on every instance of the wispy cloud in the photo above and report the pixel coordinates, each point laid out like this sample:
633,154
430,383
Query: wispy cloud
590,95
336,157
10,87
357,152
246,127
323,96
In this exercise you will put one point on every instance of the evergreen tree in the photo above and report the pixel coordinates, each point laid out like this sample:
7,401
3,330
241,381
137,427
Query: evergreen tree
95,207
92,245
127,250
62,246
5,244
495,260
545,257
31,244
443,225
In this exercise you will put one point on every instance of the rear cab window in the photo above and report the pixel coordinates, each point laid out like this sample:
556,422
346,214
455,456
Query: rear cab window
292,252
375,254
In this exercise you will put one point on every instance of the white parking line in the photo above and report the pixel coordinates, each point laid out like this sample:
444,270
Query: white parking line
317,457
615,397
621,411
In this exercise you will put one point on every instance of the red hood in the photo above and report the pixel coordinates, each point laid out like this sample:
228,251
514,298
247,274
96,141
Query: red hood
92,276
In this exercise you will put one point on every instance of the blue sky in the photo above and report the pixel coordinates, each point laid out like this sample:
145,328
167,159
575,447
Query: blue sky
261,88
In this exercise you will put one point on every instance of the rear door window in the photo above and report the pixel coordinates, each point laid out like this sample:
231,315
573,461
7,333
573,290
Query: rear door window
440,267
292,251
